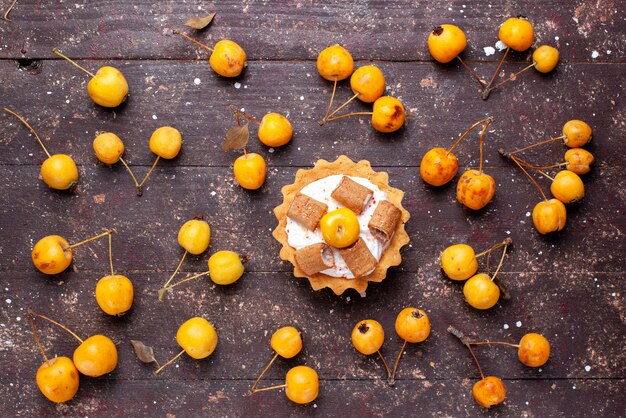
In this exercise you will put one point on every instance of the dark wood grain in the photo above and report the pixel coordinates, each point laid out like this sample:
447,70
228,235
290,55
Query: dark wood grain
569,287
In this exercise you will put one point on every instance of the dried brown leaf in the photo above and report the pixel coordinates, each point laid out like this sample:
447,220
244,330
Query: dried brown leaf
505,292
200,23
144,353
236,138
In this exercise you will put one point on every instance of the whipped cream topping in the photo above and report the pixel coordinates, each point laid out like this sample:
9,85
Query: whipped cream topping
320,190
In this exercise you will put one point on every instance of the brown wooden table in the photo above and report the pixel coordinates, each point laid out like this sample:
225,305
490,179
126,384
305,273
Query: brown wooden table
569,286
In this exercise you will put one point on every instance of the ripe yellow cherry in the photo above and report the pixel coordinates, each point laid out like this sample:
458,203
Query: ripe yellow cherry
108,87
567,187
52,254
438,167
340,228
481,292
489,391
368,336
58,379
459,262
388,114
302,385
412,325
195,236
368,83
517,33
579,160
335,63
197,337
577,133
228,59
549,216
475,189
287,342
545,58
445,42
108,147
96,356
166,142
275,130
115,294
250,170
534,350
225,267
59,172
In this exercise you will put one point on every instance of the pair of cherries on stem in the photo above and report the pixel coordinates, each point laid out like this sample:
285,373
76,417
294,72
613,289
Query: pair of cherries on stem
550,215
446,42
224,267
165,142
368,336
302,382
58,377
439,166
533,350
335,64
459,262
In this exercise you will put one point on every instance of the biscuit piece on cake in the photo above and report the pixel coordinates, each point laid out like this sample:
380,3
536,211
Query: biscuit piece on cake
307,211
358,258
384,221
314,258
352,195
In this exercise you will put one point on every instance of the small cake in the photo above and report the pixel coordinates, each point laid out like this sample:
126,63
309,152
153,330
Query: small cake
324,189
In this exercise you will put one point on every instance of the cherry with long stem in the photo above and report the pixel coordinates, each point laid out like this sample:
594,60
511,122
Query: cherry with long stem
472,73
487,89
56,51
30,128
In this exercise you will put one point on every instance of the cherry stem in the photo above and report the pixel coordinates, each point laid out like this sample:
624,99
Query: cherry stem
487,90
500,263
139,192
512,77
30,128
78,244
480,146
330,104
72,62
468,130
472,73
515,160
149,172
172,360
180,263
63,327
544,174
557,138
188,279
111,254
349,114
254,389
508,240
391,379
193,40
339,108
475,360
6,17
494,343
32,325
244,114
284,385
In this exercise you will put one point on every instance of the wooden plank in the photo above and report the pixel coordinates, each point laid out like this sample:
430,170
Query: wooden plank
444,100
592,240
282,30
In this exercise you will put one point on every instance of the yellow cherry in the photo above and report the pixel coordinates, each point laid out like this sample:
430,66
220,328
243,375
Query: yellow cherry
549,216
228,59
459,262
250,170
108,87
368,336
302,385
58,379
446,42
534,350
412,325
195,236
368,83
438,167
96,356
475,189
517,33
287,342
335,63
481,292
489,391
389,114
59,172
52,254
340,228
115,294
166,142
275,130
577,133
225,267
197,337
567,187
545,58
579,160
108,147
